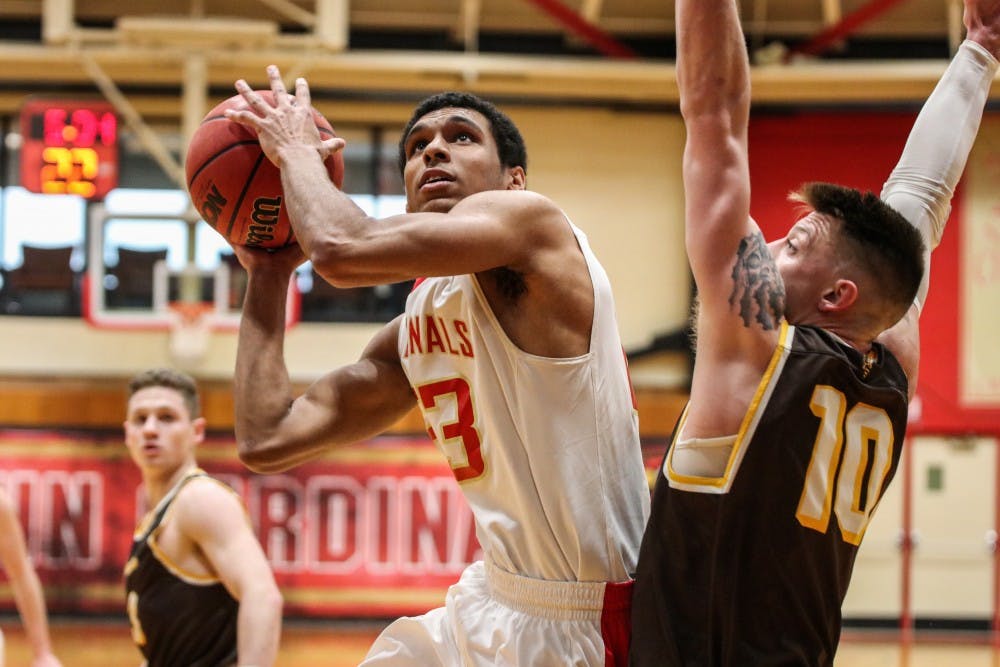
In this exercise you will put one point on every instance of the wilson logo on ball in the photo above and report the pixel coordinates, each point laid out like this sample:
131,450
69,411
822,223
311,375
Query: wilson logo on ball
265,218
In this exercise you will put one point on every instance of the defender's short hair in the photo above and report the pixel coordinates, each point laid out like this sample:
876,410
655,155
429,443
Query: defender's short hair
876,238
510,143
180,382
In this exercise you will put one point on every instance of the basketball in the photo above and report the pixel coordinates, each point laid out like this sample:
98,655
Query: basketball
233,185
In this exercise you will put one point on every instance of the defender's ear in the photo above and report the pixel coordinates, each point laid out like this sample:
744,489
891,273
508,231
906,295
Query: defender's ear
199,426
842,296
515,178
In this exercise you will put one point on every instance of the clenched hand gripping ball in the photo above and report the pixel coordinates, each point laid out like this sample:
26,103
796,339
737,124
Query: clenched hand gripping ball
233,185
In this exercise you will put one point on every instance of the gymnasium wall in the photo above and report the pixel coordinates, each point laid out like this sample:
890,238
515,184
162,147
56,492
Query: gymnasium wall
617,176
958,391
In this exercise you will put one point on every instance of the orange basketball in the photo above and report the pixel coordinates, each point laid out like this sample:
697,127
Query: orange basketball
233,185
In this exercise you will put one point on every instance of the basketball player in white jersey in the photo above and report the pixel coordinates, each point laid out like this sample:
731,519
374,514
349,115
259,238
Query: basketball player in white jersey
508,344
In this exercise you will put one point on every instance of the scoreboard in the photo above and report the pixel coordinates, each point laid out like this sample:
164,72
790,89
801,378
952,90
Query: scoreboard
69,147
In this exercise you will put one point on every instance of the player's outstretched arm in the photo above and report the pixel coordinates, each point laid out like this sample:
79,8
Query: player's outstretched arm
713,75
28,595
714,80
226,538
923,182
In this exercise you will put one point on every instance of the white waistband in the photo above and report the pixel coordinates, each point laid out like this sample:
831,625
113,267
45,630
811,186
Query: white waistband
558,600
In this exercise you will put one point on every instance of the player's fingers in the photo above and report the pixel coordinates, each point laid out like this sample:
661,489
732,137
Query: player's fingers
330,146
277,86
247,118
253,100
302,93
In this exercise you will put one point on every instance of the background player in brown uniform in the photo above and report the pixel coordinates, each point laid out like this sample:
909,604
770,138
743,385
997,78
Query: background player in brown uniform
28,595
199,588
807,354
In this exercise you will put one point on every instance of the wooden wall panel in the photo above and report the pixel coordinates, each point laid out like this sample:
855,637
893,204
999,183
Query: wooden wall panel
100,403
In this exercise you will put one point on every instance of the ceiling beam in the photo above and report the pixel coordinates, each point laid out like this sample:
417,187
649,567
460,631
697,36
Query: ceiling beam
290,10
590,10
833,11
359,75
581,27
844,28
956,25
333,24
617,18
467,32
57,21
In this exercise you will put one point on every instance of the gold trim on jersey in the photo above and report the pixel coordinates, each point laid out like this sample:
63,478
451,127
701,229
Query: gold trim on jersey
177,570
752,417
143,527
158,553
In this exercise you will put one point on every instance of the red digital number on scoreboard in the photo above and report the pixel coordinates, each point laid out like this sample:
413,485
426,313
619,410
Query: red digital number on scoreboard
69,147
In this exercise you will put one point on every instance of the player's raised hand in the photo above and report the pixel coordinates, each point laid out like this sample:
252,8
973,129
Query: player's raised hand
982,21
286,126
304,97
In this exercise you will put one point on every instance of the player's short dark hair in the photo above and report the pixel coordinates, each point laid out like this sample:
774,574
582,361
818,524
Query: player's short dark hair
875,238
180,382
510,143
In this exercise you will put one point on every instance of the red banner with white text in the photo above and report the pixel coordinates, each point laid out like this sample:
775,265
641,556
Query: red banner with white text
376,529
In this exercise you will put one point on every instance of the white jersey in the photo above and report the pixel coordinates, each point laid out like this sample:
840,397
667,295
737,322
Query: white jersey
546,449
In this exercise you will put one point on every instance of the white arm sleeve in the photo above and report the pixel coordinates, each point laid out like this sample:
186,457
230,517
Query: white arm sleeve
923,182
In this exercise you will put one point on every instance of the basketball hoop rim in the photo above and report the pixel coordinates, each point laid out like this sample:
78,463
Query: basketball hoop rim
191,311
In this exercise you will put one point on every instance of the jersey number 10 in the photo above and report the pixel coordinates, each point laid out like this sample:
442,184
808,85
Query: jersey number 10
861,440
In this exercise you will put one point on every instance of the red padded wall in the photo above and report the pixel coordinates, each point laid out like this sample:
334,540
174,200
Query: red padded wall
859,149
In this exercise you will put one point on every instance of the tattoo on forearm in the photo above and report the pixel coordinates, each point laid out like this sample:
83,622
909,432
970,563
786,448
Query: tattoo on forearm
758,291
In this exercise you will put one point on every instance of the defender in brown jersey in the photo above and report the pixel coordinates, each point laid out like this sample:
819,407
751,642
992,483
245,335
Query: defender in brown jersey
199,591
806,357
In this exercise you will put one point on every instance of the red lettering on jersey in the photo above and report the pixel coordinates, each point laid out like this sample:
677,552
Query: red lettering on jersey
433,336
447,338
438,335
462,329
413,325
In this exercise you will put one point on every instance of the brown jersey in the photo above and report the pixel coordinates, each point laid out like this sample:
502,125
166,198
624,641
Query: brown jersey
751,568
177,618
